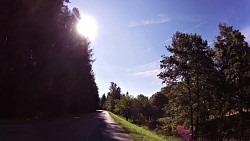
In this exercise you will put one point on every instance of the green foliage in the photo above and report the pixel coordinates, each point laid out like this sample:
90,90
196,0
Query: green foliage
191,66
158,101
110,103
113,97
114,91
142,110
232,53
123,106
206,87
102,102
177,109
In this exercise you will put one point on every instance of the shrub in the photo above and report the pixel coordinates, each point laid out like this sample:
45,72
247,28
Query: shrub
184,133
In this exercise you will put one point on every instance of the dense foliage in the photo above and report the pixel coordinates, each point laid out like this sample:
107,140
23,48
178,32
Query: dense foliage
46,66
208,87
207,91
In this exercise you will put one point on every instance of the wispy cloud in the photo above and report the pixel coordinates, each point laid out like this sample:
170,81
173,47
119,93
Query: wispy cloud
148,74
191,28
210,43
166,41
159,19
149,49
246,32
196,26
149,70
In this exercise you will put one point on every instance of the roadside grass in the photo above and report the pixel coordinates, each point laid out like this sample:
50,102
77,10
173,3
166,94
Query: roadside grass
139,133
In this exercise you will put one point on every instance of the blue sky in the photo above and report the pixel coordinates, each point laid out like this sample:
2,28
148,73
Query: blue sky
132,35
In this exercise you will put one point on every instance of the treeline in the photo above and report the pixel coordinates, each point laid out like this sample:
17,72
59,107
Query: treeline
46,66
140,110
207,93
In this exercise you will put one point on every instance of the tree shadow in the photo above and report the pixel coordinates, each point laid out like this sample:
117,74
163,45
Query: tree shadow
88,127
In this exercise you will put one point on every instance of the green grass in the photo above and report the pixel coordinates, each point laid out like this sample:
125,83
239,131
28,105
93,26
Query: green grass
139,133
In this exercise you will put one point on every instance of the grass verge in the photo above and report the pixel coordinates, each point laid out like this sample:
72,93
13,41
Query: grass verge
139,133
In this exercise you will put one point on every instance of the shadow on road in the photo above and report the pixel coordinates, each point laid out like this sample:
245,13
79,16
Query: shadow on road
96,126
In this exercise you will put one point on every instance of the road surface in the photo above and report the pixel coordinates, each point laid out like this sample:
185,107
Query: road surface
97,126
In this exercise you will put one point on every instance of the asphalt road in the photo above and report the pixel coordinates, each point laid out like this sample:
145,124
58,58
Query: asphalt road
97,126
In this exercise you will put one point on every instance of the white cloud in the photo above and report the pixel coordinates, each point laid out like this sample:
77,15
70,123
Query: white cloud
246,33
148,74
159,19
149,70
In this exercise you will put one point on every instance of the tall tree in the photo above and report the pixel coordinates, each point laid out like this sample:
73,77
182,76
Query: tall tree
145,109
191,63
115,91
113,96
102,101
232,53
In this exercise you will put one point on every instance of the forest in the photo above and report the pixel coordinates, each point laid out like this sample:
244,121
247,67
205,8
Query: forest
46,66
206,93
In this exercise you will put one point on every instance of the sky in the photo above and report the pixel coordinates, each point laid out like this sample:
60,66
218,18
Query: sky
132,35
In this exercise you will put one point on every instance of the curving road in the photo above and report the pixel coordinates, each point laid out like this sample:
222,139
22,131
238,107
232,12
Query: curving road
97,126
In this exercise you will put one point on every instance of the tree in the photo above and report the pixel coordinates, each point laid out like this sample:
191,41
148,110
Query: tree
190,63
113,96
102,101
158,102
176,110
145,109
141,110
123,106
115,91
232,53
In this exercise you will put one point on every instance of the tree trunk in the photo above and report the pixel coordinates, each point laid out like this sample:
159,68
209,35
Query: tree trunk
241,112
191,109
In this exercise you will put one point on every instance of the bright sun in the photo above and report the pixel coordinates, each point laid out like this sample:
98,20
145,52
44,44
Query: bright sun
87,27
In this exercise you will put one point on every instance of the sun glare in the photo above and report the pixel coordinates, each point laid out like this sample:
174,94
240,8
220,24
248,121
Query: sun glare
87,27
